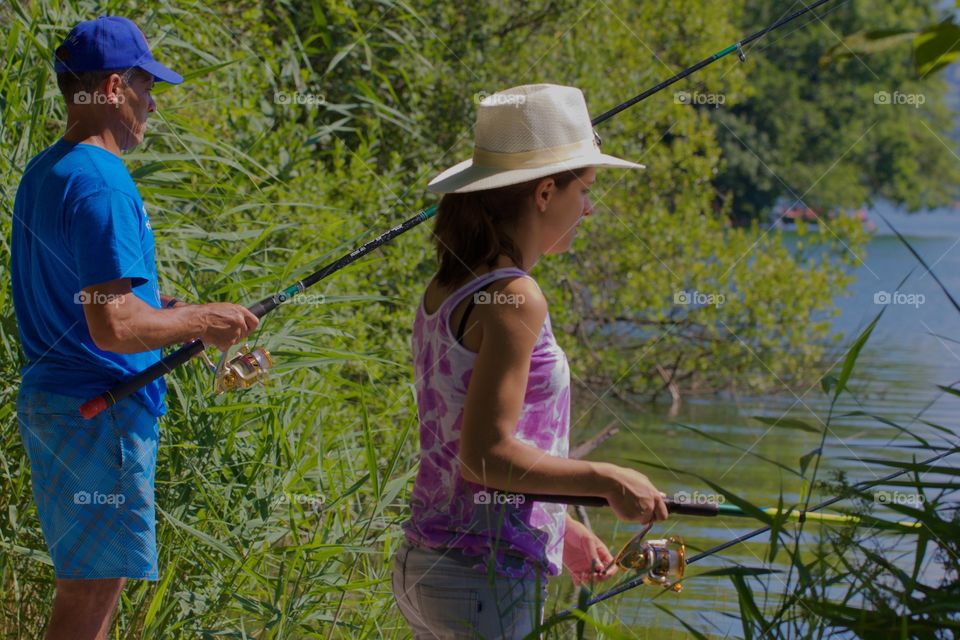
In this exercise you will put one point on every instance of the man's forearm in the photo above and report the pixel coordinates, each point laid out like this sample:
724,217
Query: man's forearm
133,326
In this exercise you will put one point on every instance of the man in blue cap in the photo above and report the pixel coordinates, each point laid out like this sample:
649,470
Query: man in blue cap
90,313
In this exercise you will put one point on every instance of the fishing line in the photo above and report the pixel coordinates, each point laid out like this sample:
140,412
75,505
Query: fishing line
815,18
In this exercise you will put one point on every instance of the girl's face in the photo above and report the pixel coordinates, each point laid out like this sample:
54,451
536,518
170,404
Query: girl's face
564,211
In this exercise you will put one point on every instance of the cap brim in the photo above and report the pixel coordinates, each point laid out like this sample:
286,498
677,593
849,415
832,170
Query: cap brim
465,176
160,72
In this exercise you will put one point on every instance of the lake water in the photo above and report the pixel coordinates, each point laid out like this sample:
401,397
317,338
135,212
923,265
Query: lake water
909,353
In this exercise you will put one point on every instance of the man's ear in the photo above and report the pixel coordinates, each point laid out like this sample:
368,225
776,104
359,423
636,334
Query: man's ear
112,88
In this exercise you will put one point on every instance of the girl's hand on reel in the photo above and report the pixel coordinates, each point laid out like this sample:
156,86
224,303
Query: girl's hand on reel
585,556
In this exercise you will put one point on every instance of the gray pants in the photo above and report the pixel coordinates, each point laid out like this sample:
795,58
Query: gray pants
442,598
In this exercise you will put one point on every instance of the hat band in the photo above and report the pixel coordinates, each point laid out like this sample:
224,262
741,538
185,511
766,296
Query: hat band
535,158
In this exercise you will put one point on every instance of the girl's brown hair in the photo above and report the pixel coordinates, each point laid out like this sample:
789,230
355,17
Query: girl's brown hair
470,230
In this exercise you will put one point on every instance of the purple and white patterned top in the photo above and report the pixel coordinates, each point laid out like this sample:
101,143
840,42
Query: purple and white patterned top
447,512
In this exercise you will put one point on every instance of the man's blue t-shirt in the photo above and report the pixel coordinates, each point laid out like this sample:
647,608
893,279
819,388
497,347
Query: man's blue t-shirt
78,221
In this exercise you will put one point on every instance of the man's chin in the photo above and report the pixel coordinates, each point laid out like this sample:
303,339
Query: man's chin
132,143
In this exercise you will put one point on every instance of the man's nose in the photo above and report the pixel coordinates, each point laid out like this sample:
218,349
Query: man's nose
151,105
587,207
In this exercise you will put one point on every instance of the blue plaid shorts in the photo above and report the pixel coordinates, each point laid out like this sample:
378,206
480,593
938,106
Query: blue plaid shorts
93,482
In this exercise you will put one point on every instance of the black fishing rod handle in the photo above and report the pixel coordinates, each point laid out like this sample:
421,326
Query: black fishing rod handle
679,508
685,509
579,501
265,306
127,387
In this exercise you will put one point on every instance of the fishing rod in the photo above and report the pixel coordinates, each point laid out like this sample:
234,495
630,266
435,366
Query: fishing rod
736,46
662,562
714,509
249,367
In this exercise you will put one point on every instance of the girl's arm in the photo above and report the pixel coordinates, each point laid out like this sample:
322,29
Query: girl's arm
491,456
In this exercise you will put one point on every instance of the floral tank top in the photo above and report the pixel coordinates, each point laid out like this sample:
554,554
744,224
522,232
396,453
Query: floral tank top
450,514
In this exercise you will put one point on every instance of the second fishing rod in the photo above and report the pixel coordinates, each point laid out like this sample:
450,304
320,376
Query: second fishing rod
716,508
249,366
663,562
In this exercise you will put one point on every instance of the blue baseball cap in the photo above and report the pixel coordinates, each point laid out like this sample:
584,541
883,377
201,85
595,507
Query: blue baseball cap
108,43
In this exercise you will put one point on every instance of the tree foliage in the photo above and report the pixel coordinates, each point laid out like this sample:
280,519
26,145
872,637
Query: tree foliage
837,131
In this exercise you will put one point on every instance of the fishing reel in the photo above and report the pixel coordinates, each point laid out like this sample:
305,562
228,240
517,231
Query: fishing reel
242,371
660,562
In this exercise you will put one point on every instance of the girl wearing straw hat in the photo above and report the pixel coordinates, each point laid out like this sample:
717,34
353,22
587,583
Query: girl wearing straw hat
493,386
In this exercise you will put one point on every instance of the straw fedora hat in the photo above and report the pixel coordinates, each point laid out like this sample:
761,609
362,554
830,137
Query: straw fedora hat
524,133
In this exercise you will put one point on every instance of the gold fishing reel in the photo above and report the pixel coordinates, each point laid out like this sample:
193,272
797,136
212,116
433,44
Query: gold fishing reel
660,562
242,371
